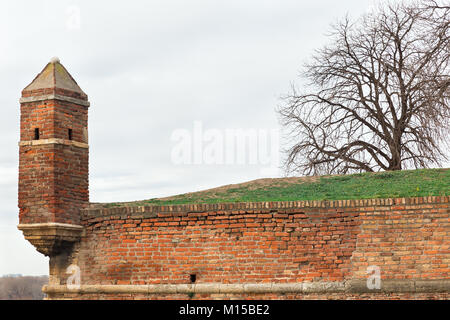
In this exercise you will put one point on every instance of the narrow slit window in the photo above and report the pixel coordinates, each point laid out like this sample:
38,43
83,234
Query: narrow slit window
193,278
70,134
36,133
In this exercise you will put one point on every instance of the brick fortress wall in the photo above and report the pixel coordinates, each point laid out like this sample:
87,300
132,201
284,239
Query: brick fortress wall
283,250
252,250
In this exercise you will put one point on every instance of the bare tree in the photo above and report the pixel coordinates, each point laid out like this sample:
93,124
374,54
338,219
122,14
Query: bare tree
22,287
377,97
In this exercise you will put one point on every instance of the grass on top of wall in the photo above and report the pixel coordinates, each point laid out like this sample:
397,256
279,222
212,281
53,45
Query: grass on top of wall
388,184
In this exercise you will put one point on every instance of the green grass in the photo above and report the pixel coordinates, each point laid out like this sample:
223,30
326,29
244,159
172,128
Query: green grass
394,184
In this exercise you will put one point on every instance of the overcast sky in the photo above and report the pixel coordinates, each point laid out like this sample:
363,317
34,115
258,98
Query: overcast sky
152,68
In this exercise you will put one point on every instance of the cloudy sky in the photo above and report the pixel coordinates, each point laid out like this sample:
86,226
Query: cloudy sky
153,69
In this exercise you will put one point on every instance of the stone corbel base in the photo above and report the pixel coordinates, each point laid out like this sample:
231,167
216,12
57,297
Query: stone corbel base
51,238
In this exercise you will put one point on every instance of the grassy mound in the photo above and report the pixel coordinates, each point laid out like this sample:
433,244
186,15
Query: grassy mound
392,184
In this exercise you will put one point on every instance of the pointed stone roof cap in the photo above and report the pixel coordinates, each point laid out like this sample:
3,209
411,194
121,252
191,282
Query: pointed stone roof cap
55,76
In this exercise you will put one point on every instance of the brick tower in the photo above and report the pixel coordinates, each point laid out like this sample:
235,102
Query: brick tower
53,159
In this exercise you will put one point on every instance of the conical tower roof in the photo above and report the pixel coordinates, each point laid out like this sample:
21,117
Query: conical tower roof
54,76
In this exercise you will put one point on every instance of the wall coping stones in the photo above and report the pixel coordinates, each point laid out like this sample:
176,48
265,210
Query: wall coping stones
149,211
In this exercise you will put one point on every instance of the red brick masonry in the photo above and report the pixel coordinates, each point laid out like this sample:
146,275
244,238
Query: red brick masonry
53,177
322,248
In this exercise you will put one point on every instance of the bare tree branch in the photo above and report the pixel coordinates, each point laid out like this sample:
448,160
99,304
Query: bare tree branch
377,96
